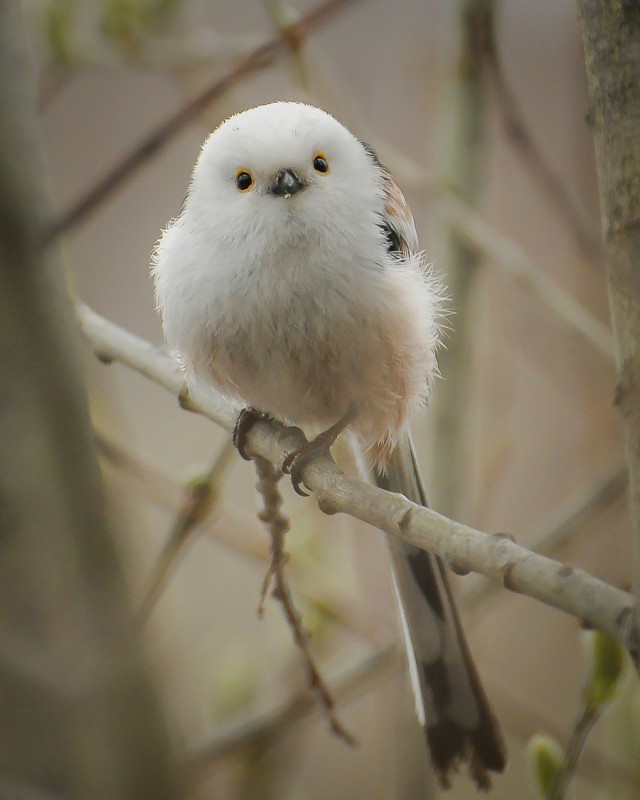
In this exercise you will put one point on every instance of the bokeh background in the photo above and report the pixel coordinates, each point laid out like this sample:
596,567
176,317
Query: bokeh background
532,447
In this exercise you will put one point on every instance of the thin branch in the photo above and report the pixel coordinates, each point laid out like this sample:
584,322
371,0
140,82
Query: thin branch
482,235
567,588
271,727
278,525
254,61
200,503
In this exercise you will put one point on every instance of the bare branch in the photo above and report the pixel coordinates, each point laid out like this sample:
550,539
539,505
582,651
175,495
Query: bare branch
254,61
278,525
201,501
569,589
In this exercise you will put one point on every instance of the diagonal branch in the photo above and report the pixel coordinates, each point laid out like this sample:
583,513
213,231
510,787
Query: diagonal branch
534,160
483,236
569,589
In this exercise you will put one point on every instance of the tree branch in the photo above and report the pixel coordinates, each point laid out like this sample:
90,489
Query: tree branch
569,589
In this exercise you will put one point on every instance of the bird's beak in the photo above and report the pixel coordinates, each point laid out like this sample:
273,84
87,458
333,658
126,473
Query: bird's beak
287,184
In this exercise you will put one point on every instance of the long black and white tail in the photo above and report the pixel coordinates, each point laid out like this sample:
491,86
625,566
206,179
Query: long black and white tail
450,701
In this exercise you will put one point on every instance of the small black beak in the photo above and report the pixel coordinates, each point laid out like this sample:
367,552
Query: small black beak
287,184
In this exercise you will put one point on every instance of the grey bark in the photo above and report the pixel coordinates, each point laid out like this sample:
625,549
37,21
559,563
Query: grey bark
79,719
611,38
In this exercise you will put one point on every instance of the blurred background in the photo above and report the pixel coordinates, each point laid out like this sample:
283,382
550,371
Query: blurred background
481,113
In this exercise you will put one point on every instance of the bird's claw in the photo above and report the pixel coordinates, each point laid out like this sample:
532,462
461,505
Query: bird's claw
247,418
297,460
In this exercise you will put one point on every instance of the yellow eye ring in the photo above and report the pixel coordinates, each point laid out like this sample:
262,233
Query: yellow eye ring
320,163
244,180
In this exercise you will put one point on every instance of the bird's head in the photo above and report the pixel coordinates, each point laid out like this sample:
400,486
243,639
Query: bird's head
285,169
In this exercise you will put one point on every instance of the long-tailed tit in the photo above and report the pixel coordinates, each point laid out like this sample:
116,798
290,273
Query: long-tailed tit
293,283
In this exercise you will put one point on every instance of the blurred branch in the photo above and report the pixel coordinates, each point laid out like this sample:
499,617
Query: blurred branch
463,174
611,32
570,589
520,137
158,486
79,718
201,501
561,527
486,238
274,725
165,493
283,15
254,61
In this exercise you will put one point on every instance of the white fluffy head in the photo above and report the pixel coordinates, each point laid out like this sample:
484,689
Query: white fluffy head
262,142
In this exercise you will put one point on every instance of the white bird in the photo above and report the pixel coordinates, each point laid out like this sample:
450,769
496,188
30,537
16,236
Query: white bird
293,283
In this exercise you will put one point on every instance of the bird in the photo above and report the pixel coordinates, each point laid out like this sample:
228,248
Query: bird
293,283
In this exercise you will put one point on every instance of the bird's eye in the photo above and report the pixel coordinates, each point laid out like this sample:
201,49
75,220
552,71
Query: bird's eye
320,163
244,180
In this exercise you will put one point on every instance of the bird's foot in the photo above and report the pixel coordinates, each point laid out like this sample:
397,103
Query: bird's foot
297,460
247,418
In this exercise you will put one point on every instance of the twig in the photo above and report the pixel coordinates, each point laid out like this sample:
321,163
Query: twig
278,524
579,735
567,588
274,725
540,170
255,60
201,500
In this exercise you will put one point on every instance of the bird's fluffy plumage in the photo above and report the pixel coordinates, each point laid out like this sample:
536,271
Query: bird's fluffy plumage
306,306
260,294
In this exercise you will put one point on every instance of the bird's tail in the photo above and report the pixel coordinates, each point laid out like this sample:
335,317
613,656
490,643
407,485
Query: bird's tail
450,701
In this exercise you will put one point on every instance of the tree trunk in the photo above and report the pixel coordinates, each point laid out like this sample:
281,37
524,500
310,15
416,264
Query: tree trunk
79,719
611,37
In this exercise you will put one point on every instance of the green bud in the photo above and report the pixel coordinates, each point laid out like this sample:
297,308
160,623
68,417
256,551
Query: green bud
123,20
544,758
607,664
